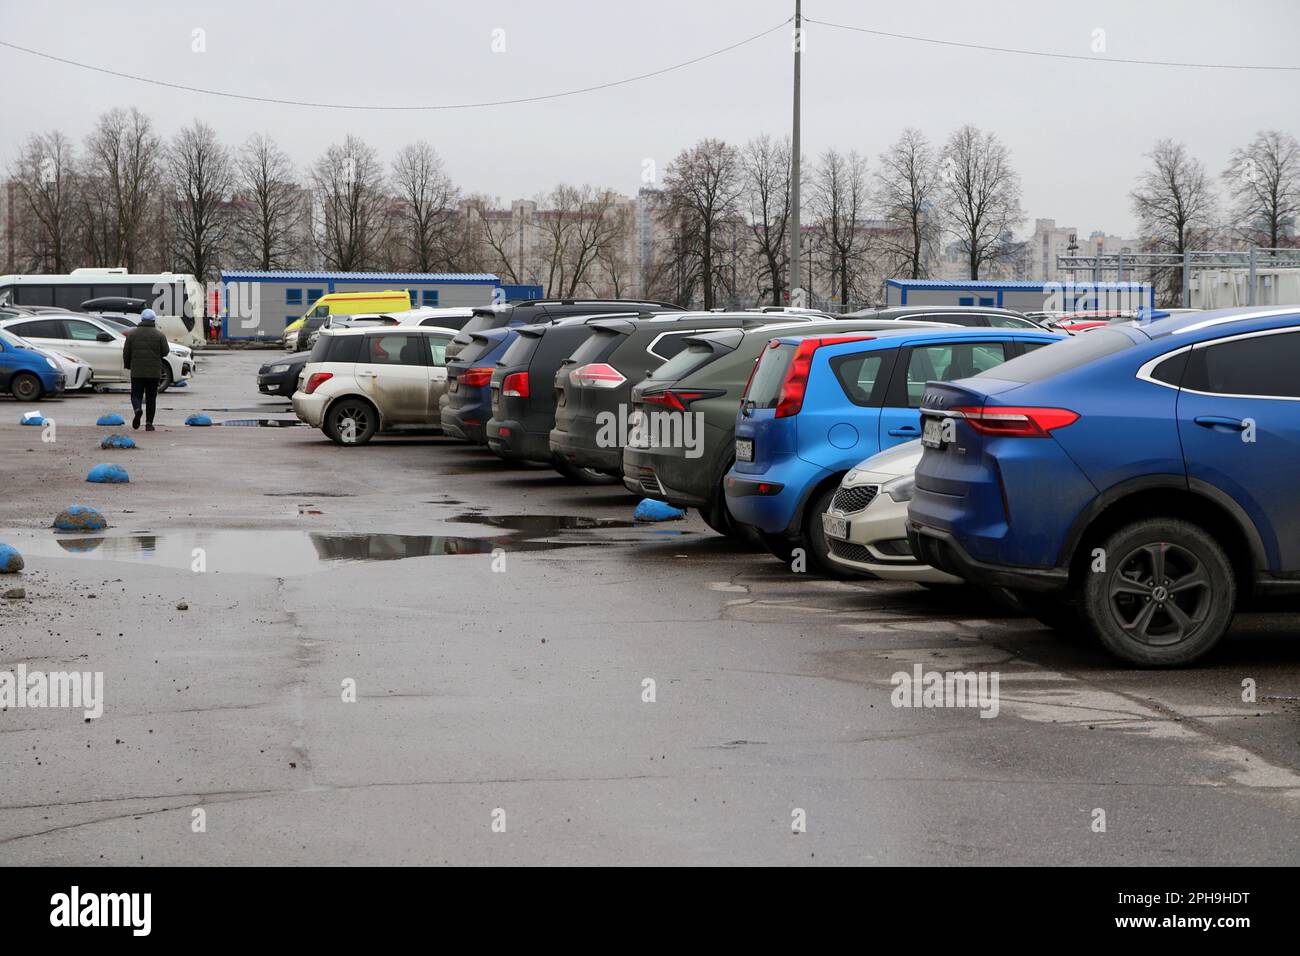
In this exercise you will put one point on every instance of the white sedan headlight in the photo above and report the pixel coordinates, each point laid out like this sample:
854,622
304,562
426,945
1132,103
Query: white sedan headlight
900,489
51,363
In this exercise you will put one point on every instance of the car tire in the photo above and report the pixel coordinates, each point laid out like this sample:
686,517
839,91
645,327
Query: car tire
584,476
718,516
165,382
1166,596
816,543
25,387
365,418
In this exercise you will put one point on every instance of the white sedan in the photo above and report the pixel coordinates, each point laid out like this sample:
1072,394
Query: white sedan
866,525
96,342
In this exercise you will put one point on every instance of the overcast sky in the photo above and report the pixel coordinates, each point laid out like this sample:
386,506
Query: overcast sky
1076,130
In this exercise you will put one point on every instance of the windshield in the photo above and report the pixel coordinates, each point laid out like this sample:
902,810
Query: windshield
693,357
10,339
1060,357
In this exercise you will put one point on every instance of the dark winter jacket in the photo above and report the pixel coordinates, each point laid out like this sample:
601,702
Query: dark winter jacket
143,352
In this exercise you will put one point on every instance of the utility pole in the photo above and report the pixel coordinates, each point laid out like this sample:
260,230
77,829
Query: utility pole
794,159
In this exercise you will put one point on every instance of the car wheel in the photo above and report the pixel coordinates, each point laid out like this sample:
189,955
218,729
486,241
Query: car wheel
718,516
584,476
1054,610
351,421
1166,596
819,547
165,382
25,387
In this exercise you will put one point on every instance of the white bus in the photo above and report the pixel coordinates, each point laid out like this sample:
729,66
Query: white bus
176,297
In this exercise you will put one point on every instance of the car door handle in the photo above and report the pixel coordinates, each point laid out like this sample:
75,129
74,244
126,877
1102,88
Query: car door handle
903,431
1215,421
365,374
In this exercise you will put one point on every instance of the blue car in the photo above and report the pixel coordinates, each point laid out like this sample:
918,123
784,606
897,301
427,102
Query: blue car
25,373
467,404
816,406
1132,481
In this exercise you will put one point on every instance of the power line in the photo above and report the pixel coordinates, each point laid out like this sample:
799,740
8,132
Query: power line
1050,55
350,106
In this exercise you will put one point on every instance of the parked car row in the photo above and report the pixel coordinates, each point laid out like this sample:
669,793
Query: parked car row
85,349
1131,483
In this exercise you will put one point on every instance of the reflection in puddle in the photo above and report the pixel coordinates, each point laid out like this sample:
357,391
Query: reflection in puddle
537,524
262,422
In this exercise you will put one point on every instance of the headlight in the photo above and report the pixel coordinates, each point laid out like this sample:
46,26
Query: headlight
278,368
900,489
51,363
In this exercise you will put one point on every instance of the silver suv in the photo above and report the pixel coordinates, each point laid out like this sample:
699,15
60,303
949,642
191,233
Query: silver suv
365,380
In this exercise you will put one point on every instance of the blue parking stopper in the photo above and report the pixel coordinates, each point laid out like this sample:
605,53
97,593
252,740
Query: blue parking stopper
117,441
181,384
110,419
108,474
33,418
651,510
80,518
11,562
199,420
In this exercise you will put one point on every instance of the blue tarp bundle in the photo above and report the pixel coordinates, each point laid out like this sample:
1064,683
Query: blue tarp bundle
198,419
651,510
110,419
33,418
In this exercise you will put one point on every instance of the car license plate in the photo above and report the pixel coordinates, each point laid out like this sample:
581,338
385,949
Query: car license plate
744,449
835,526
454,386
932,433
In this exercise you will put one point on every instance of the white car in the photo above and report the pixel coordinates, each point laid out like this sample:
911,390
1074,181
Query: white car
96,342
373,379
866,524
76,373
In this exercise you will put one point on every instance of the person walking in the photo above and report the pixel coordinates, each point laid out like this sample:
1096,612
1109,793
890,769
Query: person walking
143,353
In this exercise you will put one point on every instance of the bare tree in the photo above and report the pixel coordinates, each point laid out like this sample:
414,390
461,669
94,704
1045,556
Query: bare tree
270,206
500,236
354,210
45,176
1173,204
907,191
428,206
702,188
765,165
202,177
123,157
1264,181
838,201
981,195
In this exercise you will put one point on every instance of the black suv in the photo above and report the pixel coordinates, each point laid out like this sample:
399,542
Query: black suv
593,386
523,399
534,311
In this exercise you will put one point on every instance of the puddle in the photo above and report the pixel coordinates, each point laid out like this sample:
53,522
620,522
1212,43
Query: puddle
541,524
271,552
262,422
306,494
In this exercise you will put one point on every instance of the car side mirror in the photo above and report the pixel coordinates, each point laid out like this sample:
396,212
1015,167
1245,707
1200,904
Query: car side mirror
103,337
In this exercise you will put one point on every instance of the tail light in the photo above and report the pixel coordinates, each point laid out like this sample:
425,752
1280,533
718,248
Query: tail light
476,377
515,385
678,400
596,375
317,380
790,400
1014,421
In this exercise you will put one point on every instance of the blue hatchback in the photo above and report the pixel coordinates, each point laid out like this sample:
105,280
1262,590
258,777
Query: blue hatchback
1133,480
25,372
815,407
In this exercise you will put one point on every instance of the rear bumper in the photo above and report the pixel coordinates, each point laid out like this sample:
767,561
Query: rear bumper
665,474
582,452
310,408
455,426
281,383
508,439
943,551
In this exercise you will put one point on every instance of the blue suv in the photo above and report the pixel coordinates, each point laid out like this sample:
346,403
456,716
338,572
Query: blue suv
816,406
1134,479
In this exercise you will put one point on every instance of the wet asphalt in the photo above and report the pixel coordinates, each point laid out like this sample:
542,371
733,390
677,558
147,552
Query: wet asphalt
502,630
